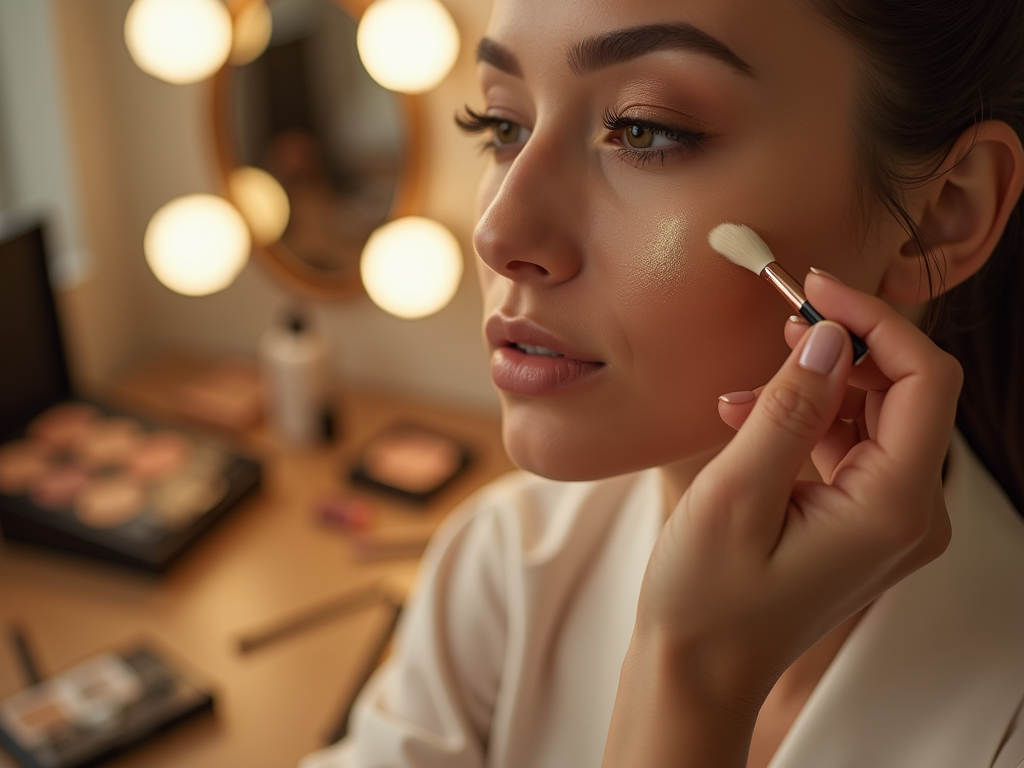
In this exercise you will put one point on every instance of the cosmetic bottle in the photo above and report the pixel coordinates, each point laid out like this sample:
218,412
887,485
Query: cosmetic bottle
293,357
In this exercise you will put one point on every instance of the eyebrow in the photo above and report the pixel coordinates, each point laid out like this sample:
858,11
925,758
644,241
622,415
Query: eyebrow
625,44
490,52
622,45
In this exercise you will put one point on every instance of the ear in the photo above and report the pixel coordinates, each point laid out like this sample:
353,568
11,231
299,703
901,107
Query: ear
962,211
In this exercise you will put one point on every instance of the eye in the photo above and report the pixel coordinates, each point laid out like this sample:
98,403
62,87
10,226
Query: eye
506,132
645,137
642,141
503,133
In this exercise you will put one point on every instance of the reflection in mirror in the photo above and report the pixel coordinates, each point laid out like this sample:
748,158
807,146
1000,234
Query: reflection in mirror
338,143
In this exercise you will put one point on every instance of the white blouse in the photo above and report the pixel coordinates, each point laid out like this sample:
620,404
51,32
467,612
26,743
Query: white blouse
508,655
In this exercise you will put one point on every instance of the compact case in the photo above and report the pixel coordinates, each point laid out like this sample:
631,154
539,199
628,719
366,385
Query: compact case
99,708
82,477
410,462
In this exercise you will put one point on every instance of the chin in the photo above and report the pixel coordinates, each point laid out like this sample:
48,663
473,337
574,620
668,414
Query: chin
547,443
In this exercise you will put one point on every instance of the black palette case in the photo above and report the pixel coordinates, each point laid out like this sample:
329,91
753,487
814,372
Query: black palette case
81,477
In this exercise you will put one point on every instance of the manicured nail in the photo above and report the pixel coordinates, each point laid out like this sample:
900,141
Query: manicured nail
822,350
737,398
823,273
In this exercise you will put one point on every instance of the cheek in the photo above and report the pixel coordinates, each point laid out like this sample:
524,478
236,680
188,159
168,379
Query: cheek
697,326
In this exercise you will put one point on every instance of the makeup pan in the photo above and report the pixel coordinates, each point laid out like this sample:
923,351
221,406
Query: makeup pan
61,427
106,502
22,463
411,461
159,455
58,486
107,442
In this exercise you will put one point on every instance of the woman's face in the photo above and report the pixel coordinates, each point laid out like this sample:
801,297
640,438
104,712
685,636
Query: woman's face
622,132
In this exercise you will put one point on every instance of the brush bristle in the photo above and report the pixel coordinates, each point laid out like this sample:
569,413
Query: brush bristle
741,245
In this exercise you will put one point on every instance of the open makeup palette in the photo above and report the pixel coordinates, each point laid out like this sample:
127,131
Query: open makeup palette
78,476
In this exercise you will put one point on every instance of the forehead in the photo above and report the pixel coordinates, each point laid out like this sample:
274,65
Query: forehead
786,43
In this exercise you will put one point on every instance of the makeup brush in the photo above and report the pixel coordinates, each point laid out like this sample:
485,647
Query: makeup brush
741,245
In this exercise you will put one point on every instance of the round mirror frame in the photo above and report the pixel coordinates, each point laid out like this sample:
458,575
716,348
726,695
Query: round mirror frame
285,266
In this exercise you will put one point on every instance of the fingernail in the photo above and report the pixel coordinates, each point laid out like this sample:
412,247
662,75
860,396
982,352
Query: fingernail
823,273
797,320
822,350
737,398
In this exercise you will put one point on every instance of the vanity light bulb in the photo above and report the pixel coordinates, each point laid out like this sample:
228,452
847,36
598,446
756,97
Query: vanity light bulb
407,45
411,267
262,201
180,41
197,244
253,29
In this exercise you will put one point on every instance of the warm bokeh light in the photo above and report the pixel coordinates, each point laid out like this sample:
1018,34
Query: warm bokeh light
411,267
197,244
262,201
180,41
408,45
253,28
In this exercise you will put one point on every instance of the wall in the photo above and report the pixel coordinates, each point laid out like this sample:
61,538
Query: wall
138,142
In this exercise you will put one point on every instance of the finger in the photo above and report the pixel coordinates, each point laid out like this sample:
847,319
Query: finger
915,421
834,447
865,376
793,412
795,329
735,407
853,403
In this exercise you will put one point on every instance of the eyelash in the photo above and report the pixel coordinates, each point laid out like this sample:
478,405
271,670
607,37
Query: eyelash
471,121
684,140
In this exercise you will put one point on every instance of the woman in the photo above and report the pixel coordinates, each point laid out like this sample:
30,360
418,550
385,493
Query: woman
674,594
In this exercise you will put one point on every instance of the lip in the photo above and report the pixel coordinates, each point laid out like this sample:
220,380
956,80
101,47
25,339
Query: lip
516,372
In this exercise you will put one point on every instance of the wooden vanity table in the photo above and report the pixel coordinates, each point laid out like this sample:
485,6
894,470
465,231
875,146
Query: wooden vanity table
268,560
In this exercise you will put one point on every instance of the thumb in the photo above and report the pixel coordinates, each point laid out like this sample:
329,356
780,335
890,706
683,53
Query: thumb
792,413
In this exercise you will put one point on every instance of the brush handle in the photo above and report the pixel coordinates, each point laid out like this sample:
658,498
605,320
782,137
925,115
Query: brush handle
812,316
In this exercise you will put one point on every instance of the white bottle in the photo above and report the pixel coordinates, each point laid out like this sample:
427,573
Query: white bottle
294,362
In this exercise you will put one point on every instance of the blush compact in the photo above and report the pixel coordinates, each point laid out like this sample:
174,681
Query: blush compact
79,476
409,461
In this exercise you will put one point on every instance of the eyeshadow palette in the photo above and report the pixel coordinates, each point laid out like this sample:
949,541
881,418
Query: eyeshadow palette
80,477
98,482
98,708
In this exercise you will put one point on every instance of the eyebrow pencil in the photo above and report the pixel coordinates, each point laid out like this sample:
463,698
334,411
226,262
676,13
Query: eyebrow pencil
354,600
742,246
25,656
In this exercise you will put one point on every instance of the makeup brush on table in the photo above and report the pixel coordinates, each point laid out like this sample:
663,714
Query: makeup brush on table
741,245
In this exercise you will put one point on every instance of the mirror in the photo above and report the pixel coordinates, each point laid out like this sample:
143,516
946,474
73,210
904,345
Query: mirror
346,151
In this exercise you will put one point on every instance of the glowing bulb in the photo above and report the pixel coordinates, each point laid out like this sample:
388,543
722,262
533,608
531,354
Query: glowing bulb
407,45
253,28
411,267
180,41
197,244
262,201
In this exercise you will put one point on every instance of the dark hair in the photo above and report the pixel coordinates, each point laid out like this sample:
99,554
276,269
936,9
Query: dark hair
933,69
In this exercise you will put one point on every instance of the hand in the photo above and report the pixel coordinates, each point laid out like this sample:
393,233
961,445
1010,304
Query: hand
754,566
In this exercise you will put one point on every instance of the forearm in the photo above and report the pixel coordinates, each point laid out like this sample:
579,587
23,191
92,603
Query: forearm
664,716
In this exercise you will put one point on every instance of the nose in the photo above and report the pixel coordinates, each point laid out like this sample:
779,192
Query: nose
529,232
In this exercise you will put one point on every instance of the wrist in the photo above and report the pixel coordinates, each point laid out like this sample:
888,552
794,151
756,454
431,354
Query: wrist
671,710
714,680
